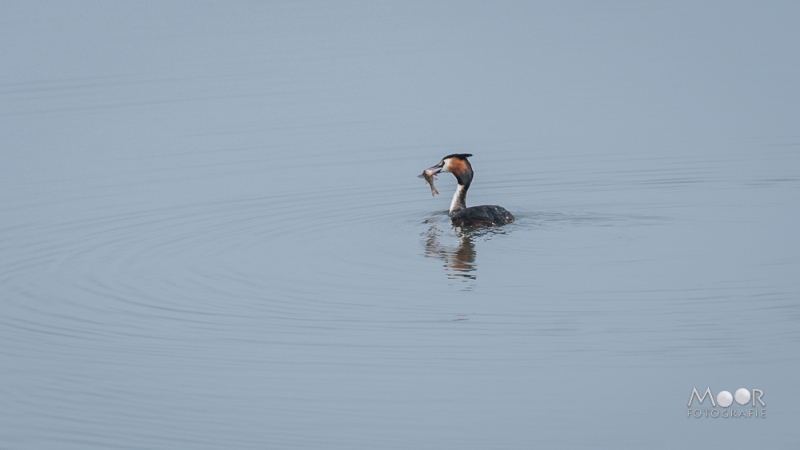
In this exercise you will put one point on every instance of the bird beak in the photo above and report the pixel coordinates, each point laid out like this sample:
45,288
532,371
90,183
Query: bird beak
435,169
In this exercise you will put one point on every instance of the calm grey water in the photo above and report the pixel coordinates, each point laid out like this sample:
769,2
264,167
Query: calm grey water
212,234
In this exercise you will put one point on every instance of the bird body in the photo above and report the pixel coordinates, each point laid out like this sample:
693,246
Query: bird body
460,214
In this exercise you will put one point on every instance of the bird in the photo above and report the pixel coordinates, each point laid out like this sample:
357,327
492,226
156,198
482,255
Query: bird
460,215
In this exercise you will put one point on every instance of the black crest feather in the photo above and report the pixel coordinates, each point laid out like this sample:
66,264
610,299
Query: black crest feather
458,155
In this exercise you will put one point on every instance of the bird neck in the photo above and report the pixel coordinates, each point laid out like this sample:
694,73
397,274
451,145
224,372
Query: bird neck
460,198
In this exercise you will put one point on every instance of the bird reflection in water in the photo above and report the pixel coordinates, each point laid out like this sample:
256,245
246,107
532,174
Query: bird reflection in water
459,260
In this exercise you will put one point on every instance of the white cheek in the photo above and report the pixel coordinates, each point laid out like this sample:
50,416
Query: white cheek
446,167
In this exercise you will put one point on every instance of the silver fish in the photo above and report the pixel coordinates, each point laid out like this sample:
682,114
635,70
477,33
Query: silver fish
429,176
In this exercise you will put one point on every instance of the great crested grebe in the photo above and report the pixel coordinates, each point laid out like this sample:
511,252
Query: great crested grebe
460,215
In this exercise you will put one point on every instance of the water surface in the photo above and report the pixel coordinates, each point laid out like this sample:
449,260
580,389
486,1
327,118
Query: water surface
213,236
